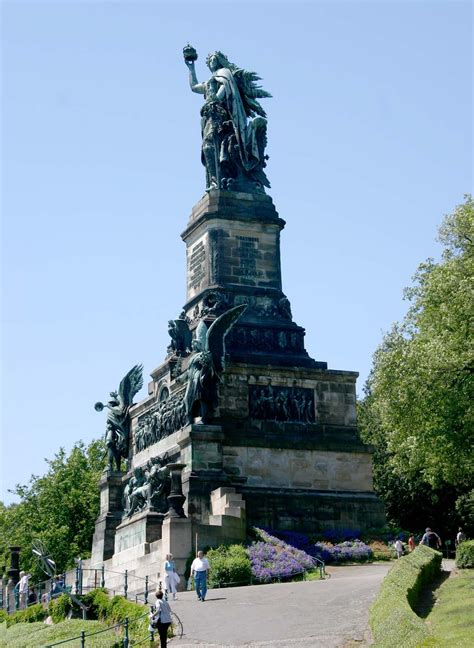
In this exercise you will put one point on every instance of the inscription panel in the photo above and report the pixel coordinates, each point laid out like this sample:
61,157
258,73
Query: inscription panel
249,254
197,266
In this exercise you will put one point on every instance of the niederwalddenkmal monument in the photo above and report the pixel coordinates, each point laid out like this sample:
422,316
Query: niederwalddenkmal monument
240,426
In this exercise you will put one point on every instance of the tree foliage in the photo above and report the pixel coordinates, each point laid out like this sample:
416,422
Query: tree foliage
59,508
418,410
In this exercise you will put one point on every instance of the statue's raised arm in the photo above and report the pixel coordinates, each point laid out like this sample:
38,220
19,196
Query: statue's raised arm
233,124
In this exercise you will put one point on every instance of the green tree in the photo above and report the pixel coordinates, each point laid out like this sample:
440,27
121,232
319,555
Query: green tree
59,508
418,411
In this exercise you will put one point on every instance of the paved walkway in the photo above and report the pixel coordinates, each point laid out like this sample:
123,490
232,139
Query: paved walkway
321,614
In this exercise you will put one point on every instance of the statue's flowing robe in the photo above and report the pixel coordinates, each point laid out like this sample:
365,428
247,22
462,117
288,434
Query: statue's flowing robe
245,133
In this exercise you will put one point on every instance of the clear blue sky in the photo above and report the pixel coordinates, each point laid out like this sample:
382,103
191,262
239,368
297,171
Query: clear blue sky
370,145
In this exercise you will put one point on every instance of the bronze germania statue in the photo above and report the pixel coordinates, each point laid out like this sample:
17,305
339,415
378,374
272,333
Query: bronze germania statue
233,124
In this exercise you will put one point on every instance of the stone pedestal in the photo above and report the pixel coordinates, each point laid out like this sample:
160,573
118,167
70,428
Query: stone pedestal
282,439
14,570
142,528
110,516
177,539
233,257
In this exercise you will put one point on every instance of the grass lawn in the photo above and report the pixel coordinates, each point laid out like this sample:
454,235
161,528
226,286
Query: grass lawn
38,635
451,620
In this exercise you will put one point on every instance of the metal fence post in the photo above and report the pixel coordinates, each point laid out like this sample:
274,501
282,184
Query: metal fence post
125,639
146,590
83,638
125,584
102,576
76,585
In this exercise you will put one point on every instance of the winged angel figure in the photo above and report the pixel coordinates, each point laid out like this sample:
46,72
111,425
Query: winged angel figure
118,420
207,364
233,124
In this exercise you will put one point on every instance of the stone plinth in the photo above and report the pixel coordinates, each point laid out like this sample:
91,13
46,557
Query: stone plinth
233,257
144,527
177,539
281,448
110,516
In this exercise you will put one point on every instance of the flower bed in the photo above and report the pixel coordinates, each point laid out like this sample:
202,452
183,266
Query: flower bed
348,551
351,550
273,559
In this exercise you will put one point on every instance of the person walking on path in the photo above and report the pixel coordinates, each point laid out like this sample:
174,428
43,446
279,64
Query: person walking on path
411,542
431,539
171,577
199,569
398,547
460,537
160,618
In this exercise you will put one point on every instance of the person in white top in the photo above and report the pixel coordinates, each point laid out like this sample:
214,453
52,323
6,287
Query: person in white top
23,588
398,547
171,577
199,569
460,537
160,618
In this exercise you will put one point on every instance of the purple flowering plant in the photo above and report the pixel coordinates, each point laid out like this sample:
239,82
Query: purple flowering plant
351,550
272,558
348,551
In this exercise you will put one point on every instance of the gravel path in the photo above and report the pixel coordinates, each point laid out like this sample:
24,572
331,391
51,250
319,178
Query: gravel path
326,614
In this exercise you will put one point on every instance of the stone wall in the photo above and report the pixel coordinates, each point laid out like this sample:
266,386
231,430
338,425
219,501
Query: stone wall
278,468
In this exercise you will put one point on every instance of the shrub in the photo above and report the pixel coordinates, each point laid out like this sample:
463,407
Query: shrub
392,619
382,551
29,615
60,607
98,603
465,555
272,558
230,566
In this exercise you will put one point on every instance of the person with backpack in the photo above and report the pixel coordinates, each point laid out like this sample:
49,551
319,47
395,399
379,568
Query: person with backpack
431,539
160,618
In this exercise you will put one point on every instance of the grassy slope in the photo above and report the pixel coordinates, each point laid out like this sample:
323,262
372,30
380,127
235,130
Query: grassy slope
451,620
37,635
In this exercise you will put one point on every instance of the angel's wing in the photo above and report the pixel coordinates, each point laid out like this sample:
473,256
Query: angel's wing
184,332
250,91
131,384
201,335
217,332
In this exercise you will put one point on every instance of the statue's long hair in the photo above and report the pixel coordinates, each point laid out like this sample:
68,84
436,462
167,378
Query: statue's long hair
223,60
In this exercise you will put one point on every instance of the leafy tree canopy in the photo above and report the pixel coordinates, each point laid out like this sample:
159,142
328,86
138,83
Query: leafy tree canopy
418,410
59,508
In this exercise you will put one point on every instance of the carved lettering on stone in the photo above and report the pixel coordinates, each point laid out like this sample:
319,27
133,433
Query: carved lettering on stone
248,255
196,265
